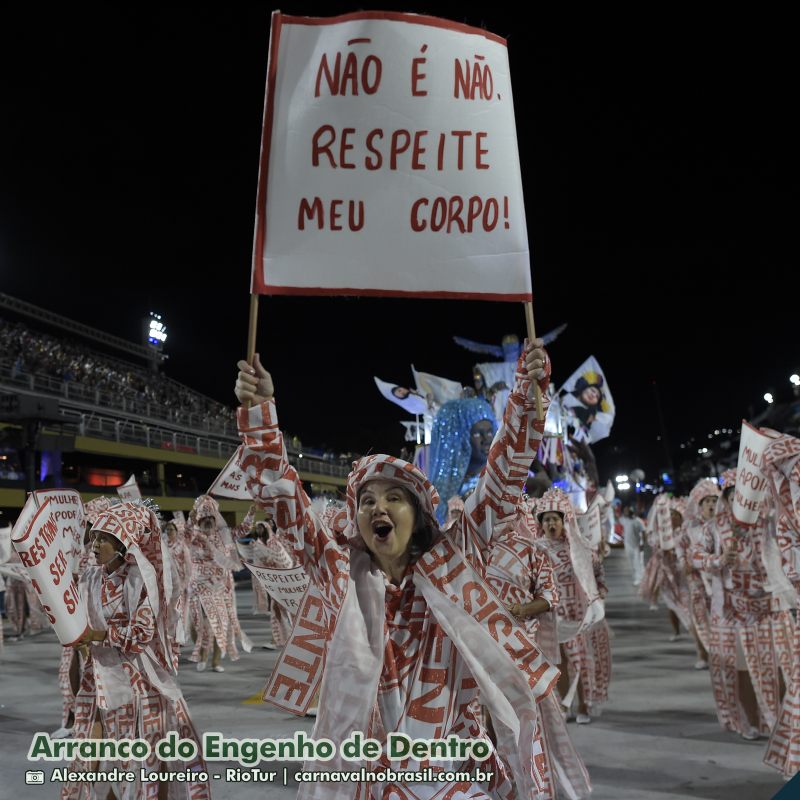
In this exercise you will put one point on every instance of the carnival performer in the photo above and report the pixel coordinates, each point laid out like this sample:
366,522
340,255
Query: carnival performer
181,554
70,668
214,621
520,572
634,543
128,690
699,510
268,550
750,633
579,606
412,632
781,465
460,440
663,578
598,636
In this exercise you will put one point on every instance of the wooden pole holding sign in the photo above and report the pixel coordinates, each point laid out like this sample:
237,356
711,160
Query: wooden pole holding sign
531,336
251,329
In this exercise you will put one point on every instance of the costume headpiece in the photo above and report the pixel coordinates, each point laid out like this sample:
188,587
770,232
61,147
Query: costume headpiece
136,525
389,468
451,443
705,487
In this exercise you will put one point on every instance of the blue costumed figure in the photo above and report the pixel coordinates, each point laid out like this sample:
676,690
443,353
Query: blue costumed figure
460,442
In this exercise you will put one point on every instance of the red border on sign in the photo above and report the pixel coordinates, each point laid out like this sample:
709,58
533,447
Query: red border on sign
316,291
257,285
260,233
28,530
398,16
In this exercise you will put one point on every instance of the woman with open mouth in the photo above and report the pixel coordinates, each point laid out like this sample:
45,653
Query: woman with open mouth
400,614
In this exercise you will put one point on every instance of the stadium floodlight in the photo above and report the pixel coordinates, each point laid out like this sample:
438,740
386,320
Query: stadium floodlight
157,334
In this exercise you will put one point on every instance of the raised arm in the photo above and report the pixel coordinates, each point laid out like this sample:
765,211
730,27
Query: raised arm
499,490
273,482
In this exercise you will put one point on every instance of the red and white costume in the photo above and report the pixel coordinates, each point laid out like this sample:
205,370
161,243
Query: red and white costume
181,554
410,658
663,578
128,682
749,628
781,465
211,591
691,537
580,606
520,571
69,656
273,554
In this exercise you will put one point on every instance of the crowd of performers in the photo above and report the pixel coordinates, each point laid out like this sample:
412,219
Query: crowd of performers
454,603
734,588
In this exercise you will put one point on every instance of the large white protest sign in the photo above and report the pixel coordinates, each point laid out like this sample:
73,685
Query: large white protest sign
231,482
40,546
129,490
389,162
67,506
751,483
284,586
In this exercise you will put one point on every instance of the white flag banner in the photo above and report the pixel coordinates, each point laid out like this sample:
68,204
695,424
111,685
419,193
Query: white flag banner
231,482
406,398
40,546
440,389
285,586
589,524
751,483
129,490
389,162
67,506
587,399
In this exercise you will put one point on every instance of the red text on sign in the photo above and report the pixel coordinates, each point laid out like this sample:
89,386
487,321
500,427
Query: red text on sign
456,214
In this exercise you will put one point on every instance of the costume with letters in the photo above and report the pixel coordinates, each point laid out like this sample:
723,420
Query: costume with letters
128,682
408,658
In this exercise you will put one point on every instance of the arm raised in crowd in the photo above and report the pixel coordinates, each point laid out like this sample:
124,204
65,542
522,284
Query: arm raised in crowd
272,481
514,447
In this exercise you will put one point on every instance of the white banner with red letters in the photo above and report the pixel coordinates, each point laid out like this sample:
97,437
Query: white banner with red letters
751,483
389,162
284,586
38,539
231,482
67,506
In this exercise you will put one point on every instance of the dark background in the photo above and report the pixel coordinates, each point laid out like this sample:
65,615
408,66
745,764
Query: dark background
660,196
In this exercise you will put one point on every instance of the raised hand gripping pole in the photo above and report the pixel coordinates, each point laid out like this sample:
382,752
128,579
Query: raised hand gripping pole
537,394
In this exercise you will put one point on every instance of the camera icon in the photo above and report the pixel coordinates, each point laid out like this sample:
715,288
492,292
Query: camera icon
34,776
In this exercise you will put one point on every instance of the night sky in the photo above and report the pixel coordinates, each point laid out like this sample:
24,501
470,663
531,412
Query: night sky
660,194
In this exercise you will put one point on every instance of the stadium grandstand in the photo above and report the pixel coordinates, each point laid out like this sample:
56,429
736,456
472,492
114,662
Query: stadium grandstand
77,411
